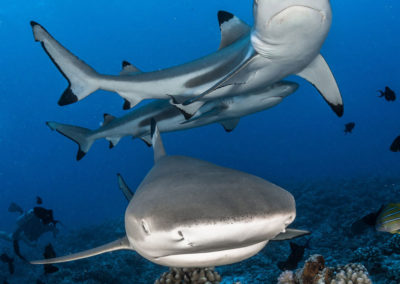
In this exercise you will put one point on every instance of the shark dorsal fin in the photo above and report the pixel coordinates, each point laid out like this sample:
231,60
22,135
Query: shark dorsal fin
158,146
124,188
120,244
128,69
232,28
230,125
107,118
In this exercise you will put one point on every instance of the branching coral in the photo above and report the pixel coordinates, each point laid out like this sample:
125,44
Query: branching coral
315,272
189,275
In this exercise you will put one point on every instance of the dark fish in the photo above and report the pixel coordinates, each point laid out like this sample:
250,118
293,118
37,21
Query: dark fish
395,147
296,255
15,208
10,261
49,253
389,219
45,215
388,94
17,251
38,281
348,127
368,221
5,282
39,200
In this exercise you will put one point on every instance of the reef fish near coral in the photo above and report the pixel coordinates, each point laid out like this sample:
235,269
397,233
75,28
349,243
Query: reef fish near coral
191,213
389,219
285,40
388,94
226,111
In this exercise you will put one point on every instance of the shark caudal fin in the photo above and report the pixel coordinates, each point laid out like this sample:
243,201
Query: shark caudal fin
83,79
158,146
120,244
79,135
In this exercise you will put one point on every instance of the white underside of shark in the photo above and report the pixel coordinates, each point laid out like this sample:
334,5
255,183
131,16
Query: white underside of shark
191,213
285,40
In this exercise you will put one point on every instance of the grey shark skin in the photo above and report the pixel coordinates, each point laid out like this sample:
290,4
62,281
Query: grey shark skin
285,40
227,111
191,213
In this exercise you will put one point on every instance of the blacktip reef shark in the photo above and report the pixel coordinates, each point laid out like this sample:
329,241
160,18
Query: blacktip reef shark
191,213
227,111
285,40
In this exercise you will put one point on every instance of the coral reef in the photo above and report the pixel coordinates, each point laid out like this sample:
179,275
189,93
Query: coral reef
189,275
315,272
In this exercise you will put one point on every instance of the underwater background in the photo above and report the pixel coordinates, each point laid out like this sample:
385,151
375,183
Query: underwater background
299,145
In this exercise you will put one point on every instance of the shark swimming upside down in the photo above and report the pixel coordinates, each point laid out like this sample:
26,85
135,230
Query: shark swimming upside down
285,40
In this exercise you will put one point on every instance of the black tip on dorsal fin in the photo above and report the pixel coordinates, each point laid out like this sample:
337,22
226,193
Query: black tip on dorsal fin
223,17
33,23
68,97
127,105
80,155
125,63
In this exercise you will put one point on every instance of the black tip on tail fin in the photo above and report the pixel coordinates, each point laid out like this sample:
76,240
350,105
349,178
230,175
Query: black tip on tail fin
125,63
223,17
127,105
67,98
80,155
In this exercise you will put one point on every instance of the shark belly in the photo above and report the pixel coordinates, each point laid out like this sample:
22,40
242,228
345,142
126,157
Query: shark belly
213,258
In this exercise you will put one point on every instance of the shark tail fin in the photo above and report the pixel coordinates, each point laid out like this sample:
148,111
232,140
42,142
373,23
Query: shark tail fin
83,79
158,146
79,135
120,244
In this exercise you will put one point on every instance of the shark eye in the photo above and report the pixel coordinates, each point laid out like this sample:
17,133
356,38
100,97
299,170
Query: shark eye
145,227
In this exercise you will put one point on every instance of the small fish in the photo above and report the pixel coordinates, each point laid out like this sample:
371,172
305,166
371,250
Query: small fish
368,221
45,215
348,127
296,255
388,94
49,253
395,147
389,219
15,208
10,261
38,281
39,200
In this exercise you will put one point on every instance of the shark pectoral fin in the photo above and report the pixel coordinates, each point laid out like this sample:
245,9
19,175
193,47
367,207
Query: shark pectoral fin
124,188
187,110
158,146
120,244
113,141
290,234
129,101
250,56
232,28
146,139
320,76
230,125
212,112
128,69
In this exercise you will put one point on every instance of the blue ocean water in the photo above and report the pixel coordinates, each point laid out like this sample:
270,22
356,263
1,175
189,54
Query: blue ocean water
301,140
